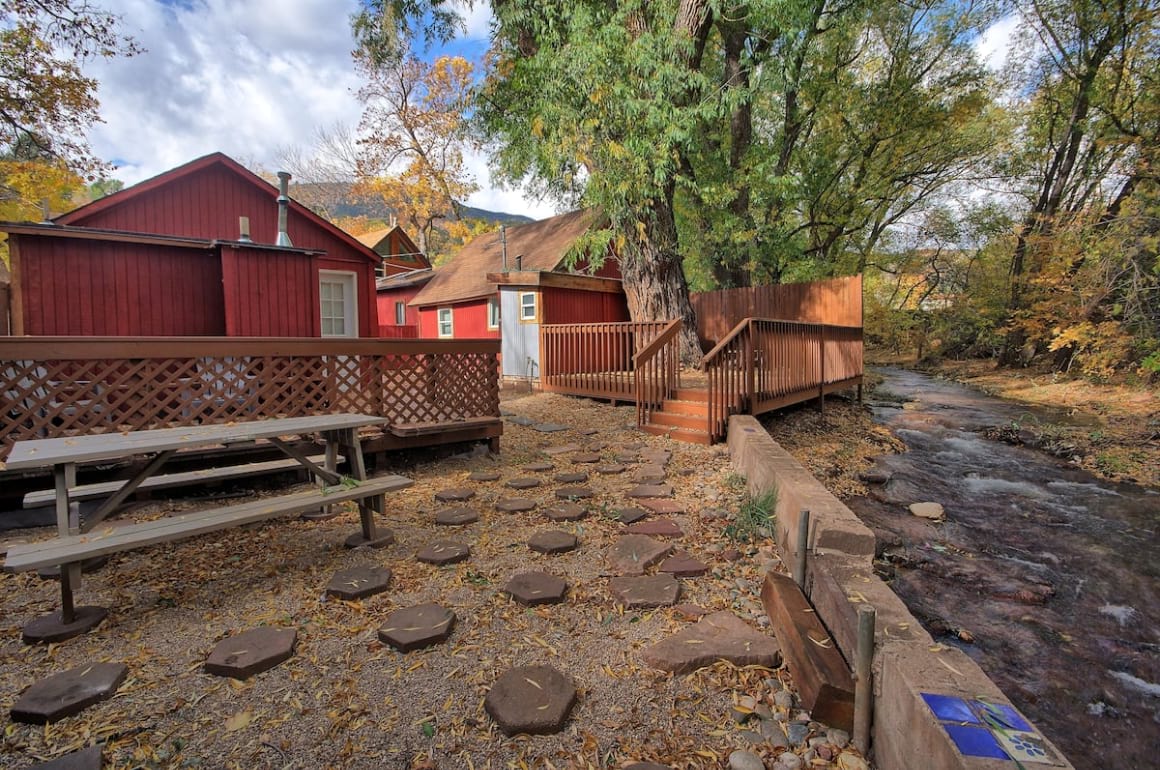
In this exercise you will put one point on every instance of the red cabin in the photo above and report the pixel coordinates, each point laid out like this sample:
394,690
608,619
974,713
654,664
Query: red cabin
174,256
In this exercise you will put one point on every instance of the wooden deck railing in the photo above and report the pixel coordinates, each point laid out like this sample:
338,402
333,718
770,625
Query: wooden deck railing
763,364
61,386
593,359
657,371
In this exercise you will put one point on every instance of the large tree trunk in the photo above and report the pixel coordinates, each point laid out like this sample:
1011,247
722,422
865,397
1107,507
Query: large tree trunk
654,281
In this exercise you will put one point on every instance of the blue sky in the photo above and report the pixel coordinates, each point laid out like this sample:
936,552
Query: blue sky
245,78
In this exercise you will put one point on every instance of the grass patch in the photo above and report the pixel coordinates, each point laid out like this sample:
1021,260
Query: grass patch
755,517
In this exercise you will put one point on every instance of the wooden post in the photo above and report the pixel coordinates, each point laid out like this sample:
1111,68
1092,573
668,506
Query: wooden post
822,370
803,545
67,523
863,692
750,371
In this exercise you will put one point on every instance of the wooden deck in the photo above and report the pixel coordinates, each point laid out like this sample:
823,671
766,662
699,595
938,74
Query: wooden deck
68,387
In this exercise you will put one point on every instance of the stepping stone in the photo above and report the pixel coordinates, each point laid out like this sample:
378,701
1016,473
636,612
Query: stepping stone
585,457
85,759
596,446
514,504
683,565
530,699
566,512
51,628
646,766
656,458
538,467
633,554
634,446
691,611
589,432
452,517
647,474
645,592
656,528
577,493
650,490
526,482
385,538
663,506
484,476
454,495
532,588
721,635
630,515
572,478
251,652
416,627
68,693
552,451
444,552
521,420
610,469
549,427
626,457
552,541
358,582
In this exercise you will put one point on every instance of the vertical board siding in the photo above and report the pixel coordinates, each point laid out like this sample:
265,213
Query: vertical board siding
836,302
569,306
121,289
268,293
386,302
469,321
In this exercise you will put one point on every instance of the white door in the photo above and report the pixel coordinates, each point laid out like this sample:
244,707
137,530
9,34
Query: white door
338,300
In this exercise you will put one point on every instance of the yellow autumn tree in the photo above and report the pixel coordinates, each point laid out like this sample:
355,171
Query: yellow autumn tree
414,141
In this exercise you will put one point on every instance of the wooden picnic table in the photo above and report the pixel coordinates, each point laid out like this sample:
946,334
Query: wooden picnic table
340,432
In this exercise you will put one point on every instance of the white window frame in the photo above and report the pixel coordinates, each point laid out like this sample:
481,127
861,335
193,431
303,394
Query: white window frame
349,281
493,312
535,316
450,322
400,314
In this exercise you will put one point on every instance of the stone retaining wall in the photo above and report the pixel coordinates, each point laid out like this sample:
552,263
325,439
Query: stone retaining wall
906,734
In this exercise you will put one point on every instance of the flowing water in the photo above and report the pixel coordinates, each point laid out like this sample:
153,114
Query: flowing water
1047,576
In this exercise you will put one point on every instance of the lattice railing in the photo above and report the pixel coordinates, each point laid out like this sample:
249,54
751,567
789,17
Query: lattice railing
66,386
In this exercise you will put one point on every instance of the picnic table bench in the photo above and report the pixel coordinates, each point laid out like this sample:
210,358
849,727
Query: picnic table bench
76,539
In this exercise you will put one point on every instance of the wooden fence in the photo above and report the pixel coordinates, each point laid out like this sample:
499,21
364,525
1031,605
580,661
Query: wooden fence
593,359
836,302
61,386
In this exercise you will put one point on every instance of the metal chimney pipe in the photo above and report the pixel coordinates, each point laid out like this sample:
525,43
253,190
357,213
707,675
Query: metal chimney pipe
503,242
283,208
244,229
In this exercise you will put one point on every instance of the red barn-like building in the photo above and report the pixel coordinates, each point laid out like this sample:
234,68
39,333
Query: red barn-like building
169,257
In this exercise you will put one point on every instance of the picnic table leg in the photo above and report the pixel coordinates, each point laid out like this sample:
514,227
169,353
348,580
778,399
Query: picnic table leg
71,620
370,535
330,465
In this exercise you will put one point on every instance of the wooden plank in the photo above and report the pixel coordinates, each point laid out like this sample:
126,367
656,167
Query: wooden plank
110,446
63,550
185,478
404,429
821,675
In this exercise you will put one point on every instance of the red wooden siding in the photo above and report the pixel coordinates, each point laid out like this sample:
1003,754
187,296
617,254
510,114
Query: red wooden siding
69,287
386,300
569,306
269,293
469,321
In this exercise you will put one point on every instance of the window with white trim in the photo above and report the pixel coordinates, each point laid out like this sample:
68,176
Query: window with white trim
400,314
446,325
336,299
493,313
528,309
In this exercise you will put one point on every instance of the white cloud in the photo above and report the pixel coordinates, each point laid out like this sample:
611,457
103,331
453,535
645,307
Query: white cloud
477,18
993,47
243,79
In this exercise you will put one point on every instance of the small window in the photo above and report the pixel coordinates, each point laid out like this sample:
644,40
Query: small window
529,312
400,314
493,313
446,328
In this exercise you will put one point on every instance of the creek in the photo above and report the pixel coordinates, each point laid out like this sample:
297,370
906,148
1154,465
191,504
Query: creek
1045,575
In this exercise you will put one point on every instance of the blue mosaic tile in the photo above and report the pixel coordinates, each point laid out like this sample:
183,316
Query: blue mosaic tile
1001,715
950,709
975,741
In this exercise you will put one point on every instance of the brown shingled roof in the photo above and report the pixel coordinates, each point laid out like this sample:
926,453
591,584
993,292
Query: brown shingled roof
542,246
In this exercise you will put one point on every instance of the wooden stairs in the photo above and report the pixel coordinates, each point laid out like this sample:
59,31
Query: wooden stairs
684,417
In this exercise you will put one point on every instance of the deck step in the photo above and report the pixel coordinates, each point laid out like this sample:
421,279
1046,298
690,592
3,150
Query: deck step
691,421
691,394
692,408
679,434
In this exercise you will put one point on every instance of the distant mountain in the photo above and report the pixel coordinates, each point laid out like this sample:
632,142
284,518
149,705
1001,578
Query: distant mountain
338,199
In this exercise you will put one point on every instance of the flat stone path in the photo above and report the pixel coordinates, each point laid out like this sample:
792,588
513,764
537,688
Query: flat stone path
455,495
359,582
444,552
630,515
416,627
633,554
454,517
525,482
553,541
566,512
484,476
646,592
538,467
515,504
656,528
84,759
571,478
574,493
68,693
683,565
720,636
530,699
251,652
533,588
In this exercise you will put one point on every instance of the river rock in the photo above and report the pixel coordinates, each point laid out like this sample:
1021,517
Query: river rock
932,511
745,760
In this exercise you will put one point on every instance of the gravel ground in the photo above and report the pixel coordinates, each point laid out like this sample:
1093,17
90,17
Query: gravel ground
347,700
